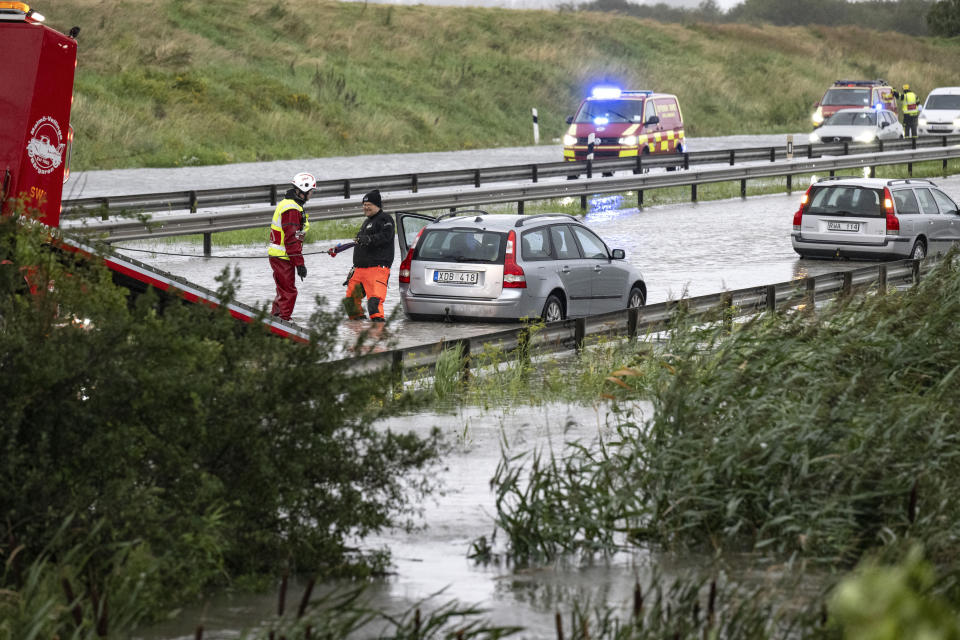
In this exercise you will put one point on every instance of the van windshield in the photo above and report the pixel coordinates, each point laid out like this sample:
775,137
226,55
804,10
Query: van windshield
461,245
859,97
609,111
943,101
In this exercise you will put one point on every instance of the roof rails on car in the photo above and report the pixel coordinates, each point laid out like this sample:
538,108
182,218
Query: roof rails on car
909,181
461,212
859,83
829,178
521,221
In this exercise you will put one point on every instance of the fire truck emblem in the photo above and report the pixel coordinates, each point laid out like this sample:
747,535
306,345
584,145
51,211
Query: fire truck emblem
46,145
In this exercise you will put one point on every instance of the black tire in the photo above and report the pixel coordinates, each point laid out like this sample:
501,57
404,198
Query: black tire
636,299
919,251
552,309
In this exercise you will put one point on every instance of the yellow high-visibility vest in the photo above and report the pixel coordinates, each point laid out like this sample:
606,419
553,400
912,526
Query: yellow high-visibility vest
911,106
279,249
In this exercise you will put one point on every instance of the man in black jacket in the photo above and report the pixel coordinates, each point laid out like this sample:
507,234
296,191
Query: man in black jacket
372,259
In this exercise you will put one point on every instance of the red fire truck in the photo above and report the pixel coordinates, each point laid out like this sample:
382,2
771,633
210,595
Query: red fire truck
36,94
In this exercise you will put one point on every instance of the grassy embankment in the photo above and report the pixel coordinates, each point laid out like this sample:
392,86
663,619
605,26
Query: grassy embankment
165,83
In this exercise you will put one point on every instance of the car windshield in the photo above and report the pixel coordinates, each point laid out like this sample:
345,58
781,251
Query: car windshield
943,101
607,111
841,200
833,97
854,118
461,245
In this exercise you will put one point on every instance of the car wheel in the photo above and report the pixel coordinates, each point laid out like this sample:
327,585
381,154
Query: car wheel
919,251
552,309
636,298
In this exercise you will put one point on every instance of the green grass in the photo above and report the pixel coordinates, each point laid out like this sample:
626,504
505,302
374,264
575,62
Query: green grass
165,83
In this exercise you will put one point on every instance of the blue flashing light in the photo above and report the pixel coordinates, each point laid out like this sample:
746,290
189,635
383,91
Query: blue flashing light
601,120
606,93
878,106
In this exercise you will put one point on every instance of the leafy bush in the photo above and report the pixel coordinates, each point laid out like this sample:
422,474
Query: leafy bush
222,449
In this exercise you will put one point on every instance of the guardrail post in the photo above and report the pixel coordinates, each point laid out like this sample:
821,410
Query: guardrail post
789,183
880,142
732,151
809,151
693,193
726,311
273,195
346,189
589,168
882,278
520,207
207,250
415,182
640,198
465,358
873,172
833,173
910,169
583,203
773,154
639,168
193,202
915,268
534,172
396,371
476,178
771,298
579,332
847,287
846,148
686,161
743,188
633,320
811,293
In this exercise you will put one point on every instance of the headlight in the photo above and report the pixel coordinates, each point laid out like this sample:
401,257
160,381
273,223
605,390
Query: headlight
817,117
569,140
866,136
813,137
922,122
956,123
628,140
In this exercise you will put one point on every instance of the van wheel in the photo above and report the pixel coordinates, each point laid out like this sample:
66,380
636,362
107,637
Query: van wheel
552,309
919,251
636,299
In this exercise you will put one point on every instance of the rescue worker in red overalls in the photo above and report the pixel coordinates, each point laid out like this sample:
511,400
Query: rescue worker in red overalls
372,259
287,230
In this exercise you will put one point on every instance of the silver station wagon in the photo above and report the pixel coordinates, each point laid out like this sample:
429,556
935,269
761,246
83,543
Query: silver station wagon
474,265
874,218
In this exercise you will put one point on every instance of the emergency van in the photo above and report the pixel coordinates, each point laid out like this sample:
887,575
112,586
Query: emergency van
854,94
615,123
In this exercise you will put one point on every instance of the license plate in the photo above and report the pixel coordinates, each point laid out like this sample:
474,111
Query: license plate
843,226
457,277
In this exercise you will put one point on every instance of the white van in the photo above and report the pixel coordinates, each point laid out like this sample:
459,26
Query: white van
940,115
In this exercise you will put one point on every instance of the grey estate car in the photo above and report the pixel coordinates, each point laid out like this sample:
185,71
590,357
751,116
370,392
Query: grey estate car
874,218
474,265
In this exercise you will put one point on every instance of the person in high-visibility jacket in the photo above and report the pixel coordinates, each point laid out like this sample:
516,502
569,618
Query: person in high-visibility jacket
911,110
287,229
372,259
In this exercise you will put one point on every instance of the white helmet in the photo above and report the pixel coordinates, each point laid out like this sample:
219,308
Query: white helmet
305,182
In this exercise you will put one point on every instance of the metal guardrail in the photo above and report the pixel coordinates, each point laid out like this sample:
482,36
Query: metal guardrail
572,335
119,228
347,188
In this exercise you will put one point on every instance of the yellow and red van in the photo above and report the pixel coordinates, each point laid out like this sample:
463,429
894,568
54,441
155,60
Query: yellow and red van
624,124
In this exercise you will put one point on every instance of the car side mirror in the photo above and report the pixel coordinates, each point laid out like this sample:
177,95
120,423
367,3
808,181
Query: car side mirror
652,120
618,254
569,119
884,124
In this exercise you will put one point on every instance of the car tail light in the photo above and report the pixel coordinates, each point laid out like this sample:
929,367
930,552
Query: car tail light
404,276
893,222
798,216
513,276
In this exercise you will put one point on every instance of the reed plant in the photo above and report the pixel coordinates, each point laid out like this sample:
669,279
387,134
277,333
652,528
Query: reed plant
822,435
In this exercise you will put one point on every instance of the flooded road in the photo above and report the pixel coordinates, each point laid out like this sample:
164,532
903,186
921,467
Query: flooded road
685,249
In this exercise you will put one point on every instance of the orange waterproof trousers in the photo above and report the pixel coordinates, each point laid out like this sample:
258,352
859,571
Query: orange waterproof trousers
369,283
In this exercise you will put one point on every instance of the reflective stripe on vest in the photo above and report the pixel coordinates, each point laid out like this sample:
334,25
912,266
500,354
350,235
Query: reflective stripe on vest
279,249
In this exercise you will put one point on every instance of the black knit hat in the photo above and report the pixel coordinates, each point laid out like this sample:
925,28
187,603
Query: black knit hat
374,197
